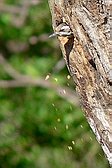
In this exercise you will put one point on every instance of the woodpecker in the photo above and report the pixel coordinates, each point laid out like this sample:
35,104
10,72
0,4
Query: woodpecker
62,30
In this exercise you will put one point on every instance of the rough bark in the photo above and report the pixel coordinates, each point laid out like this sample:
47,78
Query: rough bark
88,55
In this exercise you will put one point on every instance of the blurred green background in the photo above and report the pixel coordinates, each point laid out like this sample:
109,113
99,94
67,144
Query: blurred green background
40,126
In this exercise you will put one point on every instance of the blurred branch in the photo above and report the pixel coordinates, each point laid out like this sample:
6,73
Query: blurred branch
9,8
59,66
9,69
17,46
19,12
17,9
25,81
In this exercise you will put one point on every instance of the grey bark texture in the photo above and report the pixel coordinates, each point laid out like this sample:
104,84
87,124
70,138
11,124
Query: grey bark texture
88,56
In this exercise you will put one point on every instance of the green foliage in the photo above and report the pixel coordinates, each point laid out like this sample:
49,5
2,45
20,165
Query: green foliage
38,129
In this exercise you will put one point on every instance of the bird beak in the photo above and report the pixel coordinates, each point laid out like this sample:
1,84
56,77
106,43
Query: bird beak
52,35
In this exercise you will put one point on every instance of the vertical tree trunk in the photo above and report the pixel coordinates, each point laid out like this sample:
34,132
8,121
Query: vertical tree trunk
88,55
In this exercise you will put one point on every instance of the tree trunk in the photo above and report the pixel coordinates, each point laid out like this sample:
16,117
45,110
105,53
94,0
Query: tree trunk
88,55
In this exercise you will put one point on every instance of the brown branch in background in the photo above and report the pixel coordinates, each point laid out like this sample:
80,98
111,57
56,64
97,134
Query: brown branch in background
63,92
59,65
17,46
26,81
19,13
9,8
9,69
